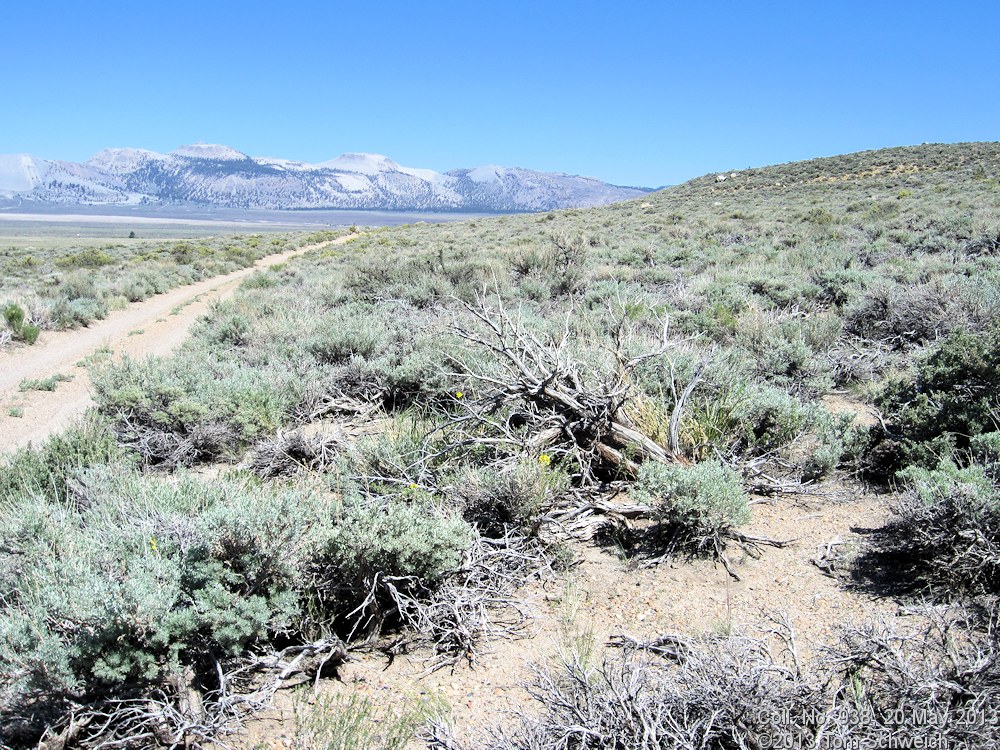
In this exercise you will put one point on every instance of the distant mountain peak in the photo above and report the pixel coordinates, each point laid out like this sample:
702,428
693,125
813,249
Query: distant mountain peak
361,162
119,159
213,151
218,175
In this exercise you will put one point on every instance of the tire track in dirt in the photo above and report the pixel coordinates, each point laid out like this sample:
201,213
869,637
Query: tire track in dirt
153,327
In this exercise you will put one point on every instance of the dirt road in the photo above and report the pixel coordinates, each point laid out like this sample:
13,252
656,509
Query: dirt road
155,326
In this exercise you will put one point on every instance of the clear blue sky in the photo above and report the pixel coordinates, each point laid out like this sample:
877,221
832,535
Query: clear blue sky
643,93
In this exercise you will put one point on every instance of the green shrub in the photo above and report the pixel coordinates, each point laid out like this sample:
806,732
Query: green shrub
90,257
393,455
906,314
66,314
112,581
497,500
696,506
948,527
29,333
786,350
44,384
953,395
418,373
384,545
729,412
78,285
162,575
231,329
346,332
183,252
836,438
48,469
186,409
391,537
260,280
986,452
15,317
784,292
768,419
840,286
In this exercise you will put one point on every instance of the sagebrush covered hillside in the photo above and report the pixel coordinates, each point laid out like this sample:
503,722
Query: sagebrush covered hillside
417,422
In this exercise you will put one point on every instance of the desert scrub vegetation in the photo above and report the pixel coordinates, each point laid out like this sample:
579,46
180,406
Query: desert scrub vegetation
766,308
133,604
696,506
949,397
873,686
66,286
948,521
19,328
360,723
418,421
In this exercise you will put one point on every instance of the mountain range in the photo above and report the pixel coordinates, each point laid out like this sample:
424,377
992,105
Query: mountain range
215,175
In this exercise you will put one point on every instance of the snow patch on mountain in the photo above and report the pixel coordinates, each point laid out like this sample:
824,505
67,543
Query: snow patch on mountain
289,165
118,160
361,163
209,151
489,173
377,164
354,183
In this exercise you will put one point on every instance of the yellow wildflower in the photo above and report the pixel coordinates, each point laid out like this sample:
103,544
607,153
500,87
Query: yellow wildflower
545,459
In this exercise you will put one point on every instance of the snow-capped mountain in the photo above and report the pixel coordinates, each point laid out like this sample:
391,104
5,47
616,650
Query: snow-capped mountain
222,176
59,181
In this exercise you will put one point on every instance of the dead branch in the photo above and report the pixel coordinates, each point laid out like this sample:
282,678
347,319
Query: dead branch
675,416
181,714
474,605
881,688
831,557
340,404
670,646
751,540
554,402
288,452
582,515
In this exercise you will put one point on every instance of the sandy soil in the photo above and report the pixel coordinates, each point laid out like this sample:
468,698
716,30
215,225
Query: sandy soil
155,326
605,595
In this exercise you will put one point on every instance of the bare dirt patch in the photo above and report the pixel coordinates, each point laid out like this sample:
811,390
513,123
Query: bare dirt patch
838,403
